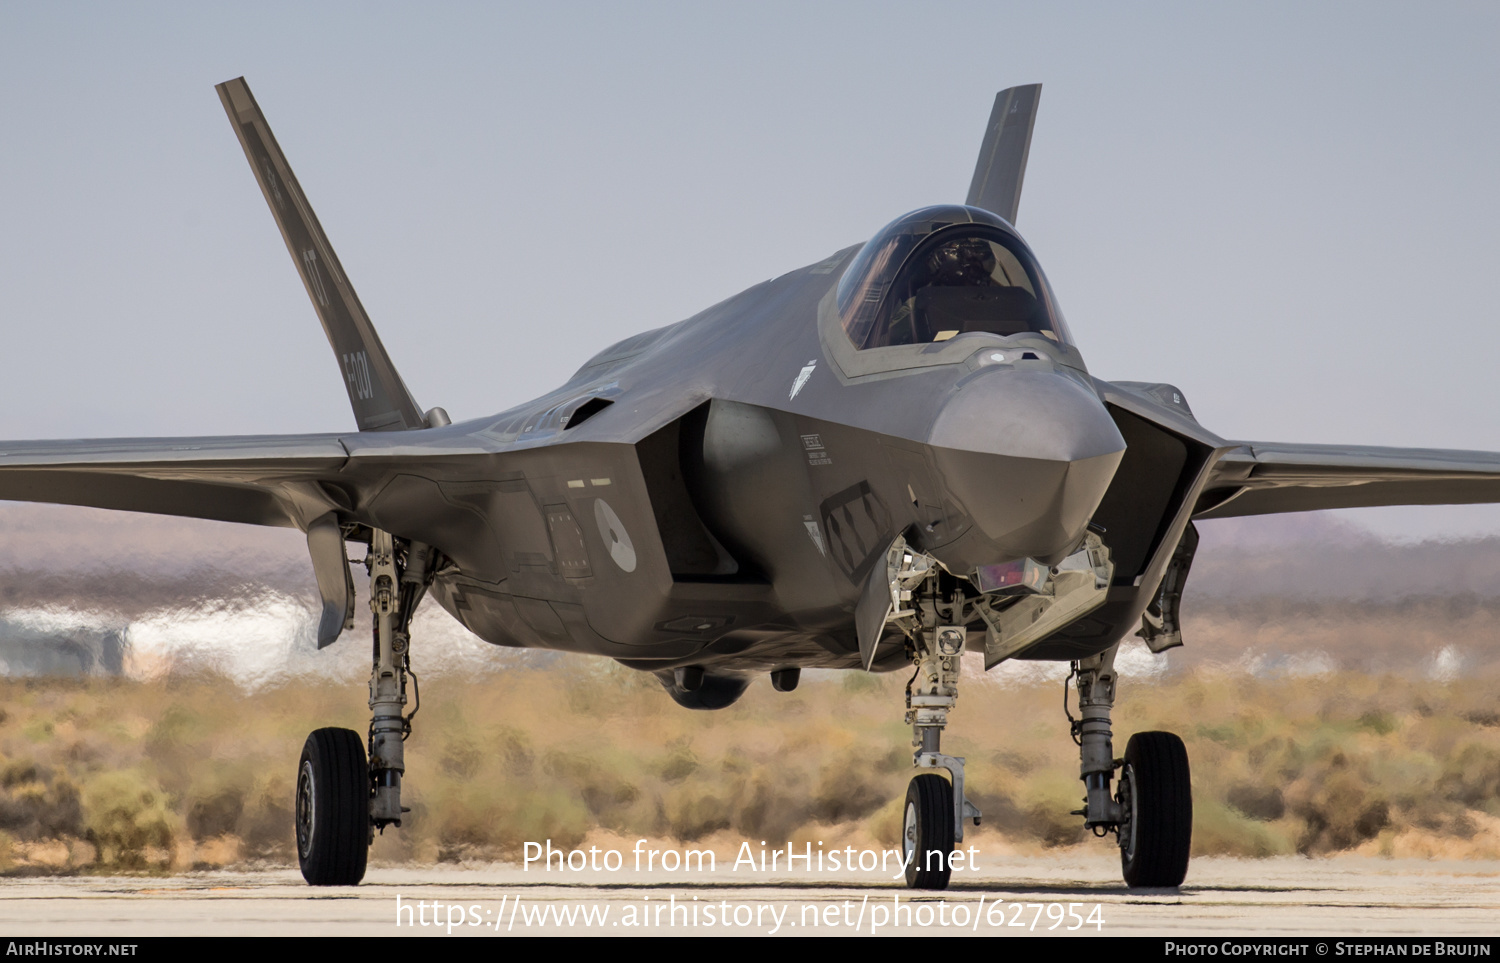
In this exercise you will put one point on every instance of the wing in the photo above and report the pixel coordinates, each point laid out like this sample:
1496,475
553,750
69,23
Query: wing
280,480
1263,479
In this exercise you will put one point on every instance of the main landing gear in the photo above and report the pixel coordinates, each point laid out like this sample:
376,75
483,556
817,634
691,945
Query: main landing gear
1151,811
343,797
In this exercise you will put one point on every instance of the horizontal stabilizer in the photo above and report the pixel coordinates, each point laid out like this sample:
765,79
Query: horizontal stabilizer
1002,157
379,397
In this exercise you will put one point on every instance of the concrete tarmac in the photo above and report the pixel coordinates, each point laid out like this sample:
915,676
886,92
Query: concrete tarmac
1063,896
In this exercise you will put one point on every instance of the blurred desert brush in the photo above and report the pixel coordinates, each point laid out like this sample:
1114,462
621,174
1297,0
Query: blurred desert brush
109,775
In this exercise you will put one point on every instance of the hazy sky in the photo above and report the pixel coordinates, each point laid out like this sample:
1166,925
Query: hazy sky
1291,211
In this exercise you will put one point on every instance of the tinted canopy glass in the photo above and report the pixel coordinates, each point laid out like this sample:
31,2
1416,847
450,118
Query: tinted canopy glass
941,272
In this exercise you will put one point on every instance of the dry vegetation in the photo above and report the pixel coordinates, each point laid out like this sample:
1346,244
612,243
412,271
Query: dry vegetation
110,774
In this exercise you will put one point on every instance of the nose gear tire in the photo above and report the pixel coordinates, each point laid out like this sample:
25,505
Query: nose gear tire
333,808
927,832
1156,800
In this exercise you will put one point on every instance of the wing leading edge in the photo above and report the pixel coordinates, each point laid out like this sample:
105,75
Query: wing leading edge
1260,478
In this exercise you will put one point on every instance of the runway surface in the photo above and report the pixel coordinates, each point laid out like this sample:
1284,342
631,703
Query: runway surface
1067,896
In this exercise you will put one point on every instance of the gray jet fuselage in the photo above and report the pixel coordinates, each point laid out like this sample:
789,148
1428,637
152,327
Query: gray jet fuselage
716,492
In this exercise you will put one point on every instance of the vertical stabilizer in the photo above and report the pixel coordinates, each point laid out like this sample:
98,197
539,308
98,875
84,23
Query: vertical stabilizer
379,397
1002,156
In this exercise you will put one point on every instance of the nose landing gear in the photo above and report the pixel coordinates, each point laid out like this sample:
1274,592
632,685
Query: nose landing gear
935,807
1150,810
933,622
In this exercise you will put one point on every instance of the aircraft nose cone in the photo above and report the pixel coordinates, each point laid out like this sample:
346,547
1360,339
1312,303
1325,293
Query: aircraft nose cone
1028,454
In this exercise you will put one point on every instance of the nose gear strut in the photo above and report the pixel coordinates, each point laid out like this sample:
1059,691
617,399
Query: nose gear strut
934,626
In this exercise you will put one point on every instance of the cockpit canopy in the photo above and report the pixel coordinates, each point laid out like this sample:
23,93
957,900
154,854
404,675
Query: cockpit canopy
944,271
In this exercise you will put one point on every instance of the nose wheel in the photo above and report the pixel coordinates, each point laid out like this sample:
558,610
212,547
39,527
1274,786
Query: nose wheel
927,832
333,808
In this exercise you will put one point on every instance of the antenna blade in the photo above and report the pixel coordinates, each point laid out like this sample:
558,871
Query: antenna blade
379,397
1002,157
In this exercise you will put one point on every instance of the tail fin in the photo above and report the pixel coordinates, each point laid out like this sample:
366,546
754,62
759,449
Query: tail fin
1002,157
379,397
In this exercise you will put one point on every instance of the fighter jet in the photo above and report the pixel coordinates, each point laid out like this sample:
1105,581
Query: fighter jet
914,463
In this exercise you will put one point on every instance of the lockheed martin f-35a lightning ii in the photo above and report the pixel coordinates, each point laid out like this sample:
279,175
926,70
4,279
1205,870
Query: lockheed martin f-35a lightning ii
917,465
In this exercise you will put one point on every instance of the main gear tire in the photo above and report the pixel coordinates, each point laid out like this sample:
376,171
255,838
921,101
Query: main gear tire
333,808
927,832
1156,803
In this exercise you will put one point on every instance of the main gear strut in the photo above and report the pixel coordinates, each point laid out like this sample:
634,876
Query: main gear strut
398,580
1092,731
